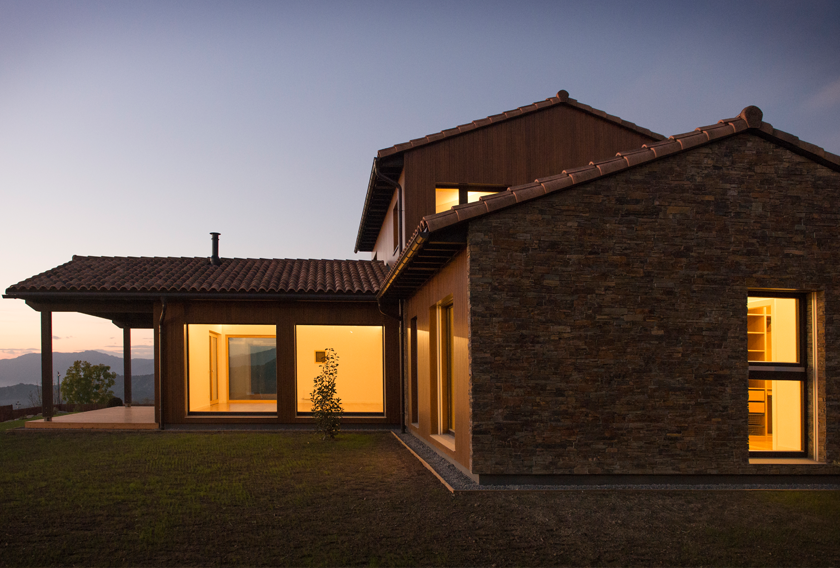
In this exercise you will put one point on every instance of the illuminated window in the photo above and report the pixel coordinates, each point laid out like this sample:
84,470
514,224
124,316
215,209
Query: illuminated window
361,378
777,369
445,368
448,197
395,226
232,368
412,376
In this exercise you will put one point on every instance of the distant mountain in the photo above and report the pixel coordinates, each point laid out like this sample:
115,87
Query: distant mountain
26,369
142,391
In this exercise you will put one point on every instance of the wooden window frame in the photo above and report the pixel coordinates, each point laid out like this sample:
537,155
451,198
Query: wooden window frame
218,337
776,371
395,223
465,188
414,416
309,414
444,354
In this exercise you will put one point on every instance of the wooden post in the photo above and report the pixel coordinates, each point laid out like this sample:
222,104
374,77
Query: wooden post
46,366
127,365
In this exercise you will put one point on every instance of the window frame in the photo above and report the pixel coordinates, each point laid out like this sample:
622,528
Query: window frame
223,354
309,414
445,349
395,226
465,188
414,416
777,371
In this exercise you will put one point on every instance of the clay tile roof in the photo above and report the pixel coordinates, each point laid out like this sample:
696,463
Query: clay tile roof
690,139
527,191
610,166
470,210
664,148
562,97
159,275
556,183
634,157
583,173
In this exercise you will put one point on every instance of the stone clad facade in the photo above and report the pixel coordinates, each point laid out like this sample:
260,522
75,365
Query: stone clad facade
608,321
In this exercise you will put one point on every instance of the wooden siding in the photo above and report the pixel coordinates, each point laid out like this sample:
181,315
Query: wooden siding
285,316
513,152
451,281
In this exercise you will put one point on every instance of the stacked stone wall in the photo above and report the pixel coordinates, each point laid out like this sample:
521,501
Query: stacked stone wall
608,322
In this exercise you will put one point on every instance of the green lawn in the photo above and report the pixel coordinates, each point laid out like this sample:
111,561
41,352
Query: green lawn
148,499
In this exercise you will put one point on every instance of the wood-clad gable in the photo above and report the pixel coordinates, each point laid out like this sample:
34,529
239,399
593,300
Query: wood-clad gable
510,153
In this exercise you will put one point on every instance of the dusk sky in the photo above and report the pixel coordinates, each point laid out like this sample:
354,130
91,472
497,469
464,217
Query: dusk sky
136,128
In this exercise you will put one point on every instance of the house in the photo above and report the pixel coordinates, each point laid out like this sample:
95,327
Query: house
647,307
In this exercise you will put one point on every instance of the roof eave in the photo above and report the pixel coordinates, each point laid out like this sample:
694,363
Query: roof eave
65,295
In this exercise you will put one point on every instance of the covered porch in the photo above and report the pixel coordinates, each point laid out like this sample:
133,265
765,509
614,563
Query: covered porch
116,418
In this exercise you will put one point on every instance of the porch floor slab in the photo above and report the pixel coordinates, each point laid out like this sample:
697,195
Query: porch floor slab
116,418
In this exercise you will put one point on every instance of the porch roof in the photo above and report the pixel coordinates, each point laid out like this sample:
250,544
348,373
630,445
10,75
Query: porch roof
167,275
124,289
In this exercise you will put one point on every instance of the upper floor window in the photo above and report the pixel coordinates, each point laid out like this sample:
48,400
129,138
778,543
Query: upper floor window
777,373
448,196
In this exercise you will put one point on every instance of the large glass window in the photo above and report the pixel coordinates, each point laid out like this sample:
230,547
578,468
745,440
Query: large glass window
232,368
361,378
777,373
252,368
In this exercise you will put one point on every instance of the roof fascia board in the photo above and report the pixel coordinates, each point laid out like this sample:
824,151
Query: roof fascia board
395,162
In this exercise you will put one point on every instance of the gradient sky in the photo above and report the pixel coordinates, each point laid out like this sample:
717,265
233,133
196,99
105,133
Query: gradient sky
136,128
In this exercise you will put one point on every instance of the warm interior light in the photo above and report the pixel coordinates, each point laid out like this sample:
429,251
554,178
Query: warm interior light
446,198
360,384
473,196
773,330
775,419
232,368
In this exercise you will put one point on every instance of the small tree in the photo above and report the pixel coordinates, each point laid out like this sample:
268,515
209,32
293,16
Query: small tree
85,383
326,407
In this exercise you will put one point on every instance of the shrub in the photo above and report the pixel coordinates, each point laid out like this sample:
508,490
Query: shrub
85,383
115,401
326,407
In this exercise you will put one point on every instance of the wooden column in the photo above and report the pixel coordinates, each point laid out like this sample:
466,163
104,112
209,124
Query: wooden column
127,365
46,366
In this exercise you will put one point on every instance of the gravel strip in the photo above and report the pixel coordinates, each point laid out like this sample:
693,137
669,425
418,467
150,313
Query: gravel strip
460,482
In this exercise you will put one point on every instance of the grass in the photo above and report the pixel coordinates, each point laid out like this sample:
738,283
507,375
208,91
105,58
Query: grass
289,499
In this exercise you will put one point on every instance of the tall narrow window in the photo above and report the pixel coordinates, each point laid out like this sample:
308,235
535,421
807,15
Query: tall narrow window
446,388
412,375
396,226
214,368
777,373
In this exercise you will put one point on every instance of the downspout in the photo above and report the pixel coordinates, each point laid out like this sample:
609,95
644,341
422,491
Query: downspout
399,318
160,358
401,240
402,368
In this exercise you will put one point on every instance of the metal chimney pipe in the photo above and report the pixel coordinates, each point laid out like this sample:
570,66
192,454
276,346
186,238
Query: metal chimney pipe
215,260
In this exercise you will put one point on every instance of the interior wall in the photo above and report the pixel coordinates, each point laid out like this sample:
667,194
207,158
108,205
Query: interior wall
384,248
360,382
